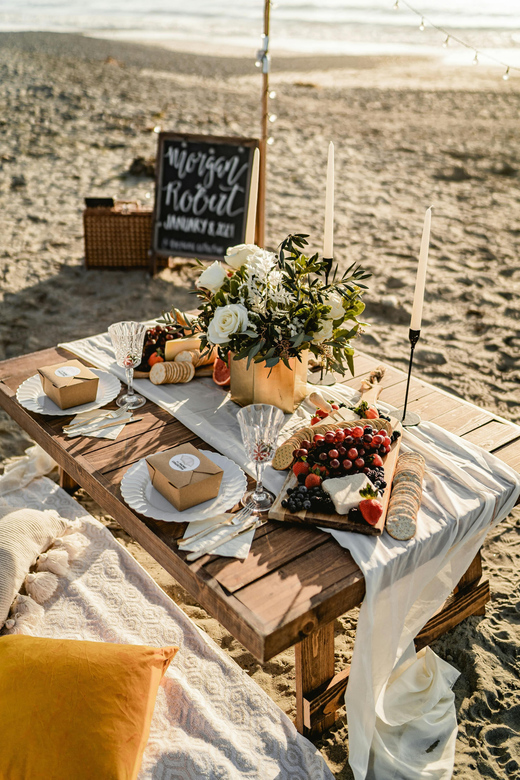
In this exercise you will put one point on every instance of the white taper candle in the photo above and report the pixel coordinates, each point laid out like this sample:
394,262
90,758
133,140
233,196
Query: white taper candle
418,298
253,199
328,235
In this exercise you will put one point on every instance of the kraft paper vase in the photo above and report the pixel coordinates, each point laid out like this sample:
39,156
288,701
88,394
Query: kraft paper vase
279,386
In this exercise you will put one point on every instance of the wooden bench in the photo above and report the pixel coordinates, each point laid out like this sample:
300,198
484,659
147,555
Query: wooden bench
296,581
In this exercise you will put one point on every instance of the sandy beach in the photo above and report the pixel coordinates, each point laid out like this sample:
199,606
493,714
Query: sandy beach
76,112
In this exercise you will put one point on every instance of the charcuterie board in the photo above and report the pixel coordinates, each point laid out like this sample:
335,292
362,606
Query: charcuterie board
336,521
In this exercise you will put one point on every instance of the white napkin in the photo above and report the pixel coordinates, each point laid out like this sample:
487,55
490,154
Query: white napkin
106,433
235,548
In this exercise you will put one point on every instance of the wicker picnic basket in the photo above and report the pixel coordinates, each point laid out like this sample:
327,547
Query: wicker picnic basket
118,237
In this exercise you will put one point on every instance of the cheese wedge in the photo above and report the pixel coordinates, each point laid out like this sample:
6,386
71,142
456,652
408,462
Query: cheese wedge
173,347
344,491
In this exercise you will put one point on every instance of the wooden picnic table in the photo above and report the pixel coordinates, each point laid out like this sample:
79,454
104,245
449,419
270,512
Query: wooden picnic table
296,580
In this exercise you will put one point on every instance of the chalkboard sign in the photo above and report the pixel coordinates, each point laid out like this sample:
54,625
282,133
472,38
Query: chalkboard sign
202,194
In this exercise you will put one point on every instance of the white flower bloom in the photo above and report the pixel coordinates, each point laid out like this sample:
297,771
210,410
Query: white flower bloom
324,333
335,301
212,277
227,321
260,263
237,255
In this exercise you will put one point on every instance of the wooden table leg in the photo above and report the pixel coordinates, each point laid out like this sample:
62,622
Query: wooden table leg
314,664
66,481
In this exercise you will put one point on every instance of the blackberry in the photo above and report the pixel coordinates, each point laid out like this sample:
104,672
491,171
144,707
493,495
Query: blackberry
355,515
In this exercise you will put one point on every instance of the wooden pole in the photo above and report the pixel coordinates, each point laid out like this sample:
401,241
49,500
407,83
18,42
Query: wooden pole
260,218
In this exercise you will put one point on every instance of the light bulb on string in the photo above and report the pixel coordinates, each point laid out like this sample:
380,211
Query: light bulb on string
272,95
270,140
422,25
475,59
446,42
273,117
506,74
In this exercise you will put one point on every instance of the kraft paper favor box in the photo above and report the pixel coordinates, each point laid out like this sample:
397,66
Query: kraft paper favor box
184,476
69,383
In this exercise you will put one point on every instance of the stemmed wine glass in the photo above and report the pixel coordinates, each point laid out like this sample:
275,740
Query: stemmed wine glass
260,425
128,339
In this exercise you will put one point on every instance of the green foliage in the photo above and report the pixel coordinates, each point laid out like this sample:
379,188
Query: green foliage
286,296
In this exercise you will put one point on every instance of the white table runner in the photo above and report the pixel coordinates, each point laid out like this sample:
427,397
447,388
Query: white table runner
398,705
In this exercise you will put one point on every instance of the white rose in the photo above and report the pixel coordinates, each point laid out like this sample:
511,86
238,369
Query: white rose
226,321
324,333
237,255
335,301
212,277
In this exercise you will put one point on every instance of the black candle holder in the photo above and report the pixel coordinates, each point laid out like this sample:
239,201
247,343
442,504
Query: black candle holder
409,419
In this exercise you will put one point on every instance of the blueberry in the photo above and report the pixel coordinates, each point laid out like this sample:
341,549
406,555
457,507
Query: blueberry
285,503
302,489
289,491
306,504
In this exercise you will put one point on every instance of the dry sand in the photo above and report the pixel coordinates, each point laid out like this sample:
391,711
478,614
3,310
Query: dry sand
75,112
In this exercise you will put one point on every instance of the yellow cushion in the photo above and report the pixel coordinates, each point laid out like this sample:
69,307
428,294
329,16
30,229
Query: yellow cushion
72,710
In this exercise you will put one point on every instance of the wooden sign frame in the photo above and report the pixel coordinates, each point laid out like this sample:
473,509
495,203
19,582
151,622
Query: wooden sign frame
175,248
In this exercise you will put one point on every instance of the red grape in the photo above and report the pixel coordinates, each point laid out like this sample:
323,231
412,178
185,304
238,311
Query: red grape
334,464
359,462
329,437
347,464
357,432
352,453
319,437
333,453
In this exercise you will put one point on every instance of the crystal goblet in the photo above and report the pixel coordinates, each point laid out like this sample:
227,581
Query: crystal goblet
128,339
260,425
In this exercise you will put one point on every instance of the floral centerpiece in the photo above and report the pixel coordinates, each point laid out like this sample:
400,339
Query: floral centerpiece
275,309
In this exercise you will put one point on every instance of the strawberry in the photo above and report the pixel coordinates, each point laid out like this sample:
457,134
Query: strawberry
315,420
370,507
300,467
312,480
371,413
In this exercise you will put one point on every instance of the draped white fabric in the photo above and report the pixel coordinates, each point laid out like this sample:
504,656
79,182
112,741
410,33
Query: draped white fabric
400,709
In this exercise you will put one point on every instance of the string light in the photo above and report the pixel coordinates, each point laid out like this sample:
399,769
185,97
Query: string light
425,20
270,140
272,95
273,117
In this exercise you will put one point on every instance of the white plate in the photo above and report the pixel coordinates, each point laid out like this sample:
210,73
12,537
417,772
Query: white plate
30,395
139,493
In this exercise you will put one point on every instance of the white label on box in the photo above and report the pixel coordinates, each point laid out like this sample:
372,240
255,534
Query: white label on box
67,371
184,462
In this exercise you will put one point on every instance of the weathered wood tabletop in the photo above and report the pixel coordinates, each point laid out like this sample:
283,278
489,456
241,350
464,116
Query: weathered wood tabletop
296,580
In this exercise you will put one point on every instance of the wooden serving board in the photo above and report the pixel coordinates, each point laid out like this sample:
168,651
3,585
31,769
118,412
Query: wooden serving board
338,522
